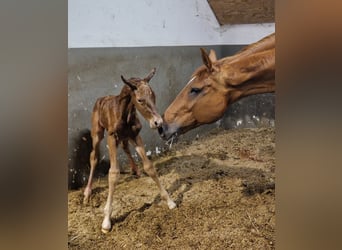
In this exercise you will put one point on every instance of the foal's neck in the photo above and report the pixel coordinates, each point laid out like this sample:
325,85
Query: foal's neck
125,96
126,103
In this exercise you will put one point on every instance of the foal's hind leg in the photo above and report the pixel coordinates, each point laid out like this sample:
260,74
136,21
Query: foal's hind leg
151,171
134,168
97,134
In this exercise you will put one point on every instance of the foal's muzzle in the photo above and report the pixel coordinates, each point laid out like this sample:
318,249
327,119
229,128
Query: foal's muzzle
156,122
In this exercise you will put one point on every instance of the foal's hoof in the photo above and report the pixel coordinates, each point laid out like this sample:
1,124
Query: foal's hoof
171,204
106,226
85,200
86,193
105,231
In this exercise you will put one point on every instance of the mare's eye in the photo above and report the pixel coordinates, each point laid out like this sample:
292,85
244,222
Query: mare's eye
140,101
195,90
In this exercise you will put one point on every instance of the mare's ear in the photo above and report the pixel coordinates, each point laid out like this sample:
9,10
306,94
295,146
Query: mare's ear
212,55
206,60
131,84
150,75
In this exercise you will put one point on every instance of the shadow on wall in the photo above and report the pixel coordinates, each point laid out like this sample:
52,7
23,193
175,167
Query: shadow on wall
79,165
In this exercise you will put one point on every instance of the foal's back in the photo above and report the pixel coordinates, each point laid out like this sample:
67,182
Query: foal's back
116,113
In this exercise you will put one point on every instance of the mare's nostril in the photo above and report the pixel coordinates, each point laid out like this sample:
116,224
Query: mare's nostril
156,123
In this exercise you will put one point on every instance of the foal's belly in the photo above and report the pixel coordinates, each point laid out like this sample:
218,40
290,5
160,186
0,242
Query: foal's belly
127,131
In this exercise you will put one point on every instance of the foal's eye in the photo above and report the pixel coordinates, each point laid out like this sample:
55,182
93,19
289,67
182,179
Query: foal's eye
140,101
195,90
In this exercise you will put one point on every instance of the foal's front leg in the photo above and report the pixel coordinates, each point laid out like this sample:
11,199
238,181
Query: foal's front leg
113,178
151,171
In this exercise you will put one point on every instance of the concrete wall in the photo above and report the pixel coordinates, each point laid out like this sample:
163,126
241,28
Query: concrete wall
96,72
139,23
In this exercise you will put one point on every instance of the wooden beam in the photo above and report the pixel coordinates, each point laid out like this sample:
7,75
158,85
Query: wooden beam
243,11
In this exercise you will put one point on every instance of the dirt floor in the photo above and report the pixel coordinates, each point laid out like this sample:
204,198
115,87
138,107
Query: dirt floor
224,187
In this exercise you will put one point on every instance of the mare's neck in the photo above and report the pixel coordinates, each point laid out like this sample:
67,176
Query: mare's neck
264,44
250,75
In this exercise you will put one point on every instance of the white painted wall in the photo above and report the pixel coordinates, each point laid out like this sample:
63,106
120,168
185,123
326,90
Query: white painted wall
139,23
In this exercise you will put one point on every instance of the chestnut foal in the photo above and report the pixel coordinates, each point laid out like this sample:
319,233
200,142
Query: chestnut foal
117,115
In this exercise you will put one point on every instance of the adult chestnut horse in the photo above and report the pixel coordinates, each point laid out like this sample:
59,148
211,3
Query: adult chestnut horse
218,83
117,115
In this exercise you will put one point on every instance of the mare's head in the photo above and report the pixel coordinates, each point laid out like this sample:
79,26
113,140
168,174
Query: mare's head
144,98
203,100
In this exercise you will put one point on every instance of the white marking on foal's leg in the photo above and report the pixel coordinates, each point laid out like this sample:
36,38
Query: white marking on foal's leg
165,196
113,177
106,223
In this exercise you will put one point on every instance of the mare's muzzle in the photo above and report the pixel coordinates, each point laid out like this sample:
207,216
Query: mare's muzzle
166,131
161,132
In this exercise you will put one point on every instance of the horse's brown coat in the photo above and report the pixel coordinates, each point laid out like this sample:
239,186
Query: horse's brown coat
219,83
117,115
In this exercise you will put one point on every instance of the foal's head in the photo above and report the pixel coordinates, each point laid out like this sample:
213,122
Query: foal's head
144,98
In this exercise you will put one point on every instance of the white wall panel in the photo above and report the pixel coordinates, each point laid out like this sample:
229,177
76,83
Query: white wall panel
139,23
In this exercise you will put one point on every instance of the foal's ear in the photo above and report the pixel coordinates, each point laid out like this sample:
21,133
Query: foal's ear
131,84
150,75
206,60
212,55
